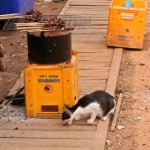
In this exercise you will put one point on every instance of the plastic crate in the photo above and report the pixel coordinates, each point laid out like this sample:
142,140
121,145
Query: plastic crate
126,26
15,6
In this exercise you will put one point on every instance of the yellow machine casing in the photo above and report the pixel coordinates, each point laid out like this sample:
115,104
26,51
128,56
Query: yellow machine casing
49,87
126,26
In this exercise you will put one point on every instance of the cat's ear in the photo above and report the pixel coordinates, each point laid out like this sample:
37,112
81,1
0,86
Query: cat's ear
67,110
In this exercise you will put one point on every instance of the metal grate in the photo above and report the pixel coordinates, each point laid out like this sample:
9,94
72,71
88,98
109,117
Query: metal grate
10,24
78,22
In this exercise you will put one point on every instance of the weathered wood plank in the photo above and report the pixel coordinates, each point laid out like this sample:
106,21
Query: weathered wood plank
93,73
42,148
89,47
89,4
93,65
45,125
95,59
88,7
38,134
82,66
65,8
113,125
88,91
88,86
46,142
88,12
88,39
19,83
94,55
87,15
83,81
93,77
102,128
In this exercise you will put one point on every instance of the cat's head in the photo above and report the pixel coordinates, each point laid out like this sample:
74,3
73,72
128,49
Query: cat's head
66,115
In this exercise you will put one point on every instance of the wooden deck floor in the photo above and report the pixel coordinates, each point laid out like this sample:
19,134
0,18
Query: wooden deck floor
98,70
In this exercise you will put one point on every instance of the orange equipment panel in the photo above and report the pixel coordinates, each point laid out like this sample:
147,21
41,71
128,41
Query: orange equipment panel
126,26
49,87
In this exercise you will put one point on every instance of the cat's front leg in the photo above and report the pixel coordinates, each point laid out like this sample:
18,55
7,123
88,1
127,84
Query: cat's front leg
92,118
104,118
78,117
75,115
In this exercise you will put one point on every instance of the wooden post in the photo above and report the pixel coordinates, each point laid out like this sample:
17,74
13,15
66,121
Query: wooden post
2,60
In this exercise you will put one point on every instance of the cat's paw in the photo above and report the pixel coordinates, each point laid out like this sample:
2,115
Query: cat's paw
67,122
104,118
89,121
70,122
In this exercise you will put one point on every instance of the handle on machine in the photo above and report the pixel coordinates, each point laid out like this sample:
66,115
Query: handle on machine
127,4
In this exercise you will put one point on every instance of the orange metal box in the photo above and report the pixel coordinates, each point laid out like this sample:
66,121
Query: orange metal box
126,26
49,87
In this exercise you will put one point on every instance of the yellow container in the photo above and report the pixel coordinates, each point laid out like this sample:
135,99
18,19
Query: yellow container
49,87
126,26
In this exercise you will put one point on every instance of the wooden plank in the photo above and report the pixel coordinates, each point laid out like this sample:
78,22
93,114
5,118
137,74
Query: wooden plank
98,31
85,8
86,37
93,78
88,7
99,81
99,22
93,73
45,142
99,38
93,66
105,15
116,112
97,46
93,87
42,148
92,49
102,59
89,1
45,125
82,66
65,8
88,91
38,134
89,4
19,83
105,59
114,71
84,26
102,128
88,12
94,54
86,49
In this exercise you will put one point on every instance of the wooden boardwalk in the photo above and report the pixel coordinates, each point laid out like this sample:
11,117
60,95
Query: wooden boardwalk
98,70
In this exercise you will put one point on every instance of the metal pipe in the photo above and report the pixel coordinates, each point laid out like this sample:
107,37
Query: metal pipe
128,4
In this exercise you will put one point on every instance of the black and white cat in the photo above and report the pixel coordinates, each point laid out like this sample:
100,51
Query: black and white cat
97,104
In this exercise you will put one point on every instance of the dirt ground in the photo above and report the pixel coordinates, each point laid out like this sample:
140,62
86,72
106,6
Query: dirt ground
133,82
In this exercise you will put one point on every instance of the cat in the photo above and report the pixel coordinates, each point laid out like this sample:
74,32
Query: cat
97,104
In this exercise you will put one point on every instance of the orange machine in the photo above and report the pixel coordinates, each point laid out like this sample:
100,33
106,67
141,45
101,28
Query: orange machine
126,26
49,87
